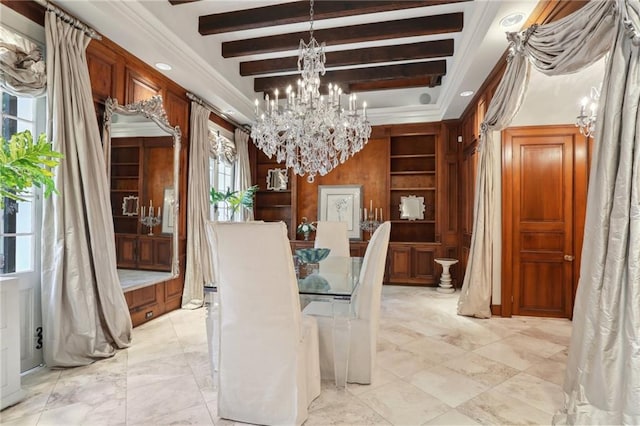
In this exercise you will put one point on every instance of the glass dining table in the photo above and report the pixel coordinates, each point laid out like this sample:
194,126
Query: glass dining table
326,289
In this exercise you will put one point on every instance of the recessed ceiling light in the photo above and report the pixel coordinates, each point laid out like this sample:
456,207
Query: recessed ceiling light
466,93
162,66
511,19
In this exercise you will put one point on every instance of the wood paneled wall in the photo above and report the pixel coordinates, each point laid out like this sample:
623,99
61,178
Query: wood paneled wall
367,168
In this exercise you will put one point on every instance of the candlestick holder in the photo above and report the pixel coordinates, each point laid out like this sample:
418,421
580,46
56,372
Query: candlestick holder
370,225
150,221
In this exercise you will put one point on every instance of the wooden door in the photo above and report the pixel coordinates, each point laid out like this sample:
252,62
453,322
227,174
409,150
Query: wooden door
539,234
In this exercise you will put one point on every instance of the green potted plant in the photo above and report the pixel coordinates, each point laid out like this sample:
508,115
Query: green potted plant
25,163
234,199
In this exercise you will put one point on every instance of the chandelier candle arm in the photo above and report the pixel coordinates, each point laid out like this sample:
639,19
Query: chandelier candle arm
310,133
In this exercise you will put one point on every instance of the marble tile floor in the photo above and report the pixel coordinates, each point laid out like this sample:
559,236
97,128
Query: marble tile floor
433,368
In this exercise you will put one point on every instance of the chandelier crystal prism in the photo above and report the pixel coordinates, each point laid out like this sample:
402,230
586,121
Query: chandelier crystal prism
310,133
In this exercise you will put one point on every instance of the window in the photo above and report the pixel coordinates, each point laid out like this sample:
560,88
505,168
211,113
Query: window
18,226
221,177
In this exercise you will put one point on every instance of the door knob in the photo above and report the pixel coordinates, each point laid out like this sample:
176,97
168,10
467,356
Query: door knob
569,258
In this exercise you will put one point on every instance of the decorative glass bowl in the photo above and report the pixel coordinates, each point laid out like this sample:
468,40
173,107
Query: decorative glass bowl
312,255
314,282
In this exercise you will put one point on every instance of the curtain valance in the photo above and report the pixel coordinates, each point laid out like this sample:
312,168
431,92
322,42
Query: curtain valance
22,66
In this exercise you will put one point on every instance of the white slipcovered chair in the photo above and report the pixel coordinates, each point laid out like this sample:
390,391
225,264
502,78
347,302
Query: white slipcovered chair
366,314
333,235
268,352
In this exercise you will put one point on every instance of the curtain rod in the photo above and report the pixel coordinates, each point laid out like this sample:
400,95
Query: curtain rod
206,104
70,19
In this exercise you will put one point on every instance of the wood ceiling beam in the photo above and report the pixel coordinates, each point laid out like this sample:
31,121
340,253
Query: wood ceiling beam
401,83
426,25
291,13
404,52
351,77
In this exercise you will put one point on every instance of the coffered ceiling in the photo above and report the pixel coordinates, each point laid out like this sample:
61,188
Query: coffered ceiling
409,60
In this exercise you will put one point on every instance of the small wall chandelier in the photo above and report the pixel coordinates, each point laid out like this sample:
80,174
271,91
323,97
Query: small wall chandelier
310,133
586,120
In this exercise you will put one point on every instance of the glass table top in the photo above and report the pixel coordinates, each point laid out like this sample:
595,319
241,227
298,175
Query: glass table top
333,276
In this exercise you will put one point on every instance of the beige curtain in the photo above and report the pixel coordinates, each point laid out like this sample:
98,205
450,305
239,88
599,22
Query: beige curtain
85,314
199,269
475,295
602,380
243,171
22,68
561,47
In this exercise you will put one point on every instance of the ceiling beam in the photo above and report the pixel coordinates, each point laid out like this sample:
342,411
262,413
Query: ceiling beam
399,83
348,78
426,25
291,13
179,2
372,55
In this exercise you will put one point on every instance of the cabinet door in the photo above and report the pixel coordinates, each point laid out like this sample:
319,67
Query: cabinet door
126,251
145,256
162,253
423,263
399,263
358,249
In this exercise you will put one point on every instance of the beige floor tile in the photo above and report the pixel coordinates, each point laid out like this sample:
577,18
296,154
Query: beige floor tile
533,391
109,412
447,385
161,398
496,408
452,418
429,359
481,369
519,351
549,370
196,415
401,403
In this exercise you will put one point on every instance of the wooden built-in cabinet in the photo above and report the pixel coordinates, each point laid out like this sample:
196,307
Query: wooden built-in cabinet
414,244
271,205
398,161
412,263
413,172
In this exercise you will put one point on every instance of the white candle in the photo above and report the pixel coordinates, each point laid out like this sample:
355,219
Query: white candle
370,205
150,203
159,210
376,218
365,213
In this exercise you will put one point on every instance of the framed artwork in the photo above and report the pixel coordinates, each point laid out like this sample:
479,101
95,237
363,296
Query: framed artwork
341,203
168,205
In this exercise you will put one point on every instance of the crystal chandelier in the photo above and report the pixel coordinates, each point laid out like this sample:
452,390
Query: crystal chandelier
587,122
310,133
